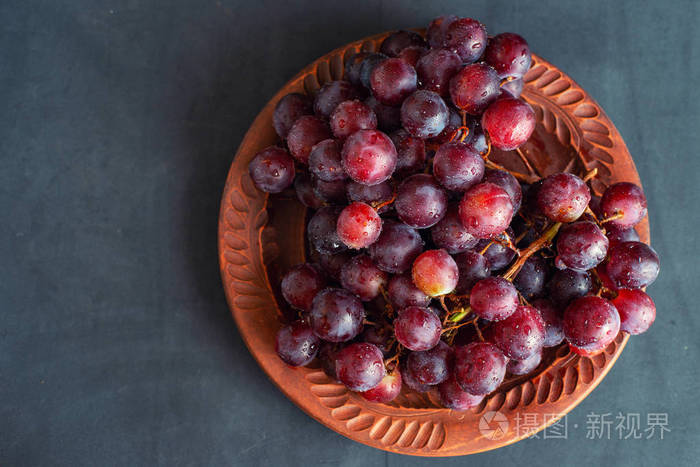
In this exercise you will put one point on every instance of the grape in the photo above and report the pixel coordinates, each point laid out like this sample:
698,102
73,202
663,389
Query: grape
553,327
387,389
420,202
457,166
379,193
479,367
351,116
360,366
467,38
509,123
296,344
521,334
424,114
324,161
322,231
305,191
417,328
591,323
392,80
493,298
637,310
388,118
523,367
567,285
474,88
513,87
359,225
509,183
509,54
361,277
326,356
367,67
353,65
336,315
436,68
412,54
453,397
450,234
333,93
411,153
633,265
616,236
626,200
563,197
472,267
399,40
330,192
486,210
431,366
382,337
581,246
288,110
454,122
304,134
478,140
436,30
435,273
411,381
369,157
497,254
301,284
333,263
532,277
272,170
396,248
404,293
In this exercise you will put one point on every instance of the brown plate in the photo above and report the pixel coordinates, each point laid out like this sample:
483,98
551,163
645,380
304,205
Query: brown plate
261,237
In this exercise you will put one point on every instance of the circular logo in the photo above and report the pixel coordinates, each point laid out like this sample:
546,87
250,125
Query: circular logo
493,425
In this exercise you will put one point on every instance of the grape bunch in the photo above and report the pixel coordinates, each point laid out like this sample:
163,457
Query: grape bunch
430,266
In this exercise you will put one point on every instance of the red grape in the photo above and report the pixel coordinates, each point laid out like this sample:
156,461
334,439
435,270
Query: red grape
563,197
362,277
272,170
296,344
396,248
472,267
431,366
626,200
322,232
336,315
288,110
493,298
417,328
457,166
637,310
553,327
333,263
497,254
581,246
388,118
369,157
479,367
411,153
509,54
411,381
301,284
591,323
523,367
387,389
330,192
420,202
326,356
379,193
424,114
486,210
304,134
404,293
435,273
450,234
324,161
305,191
453,397
509,183
436,30
353,64
436,68
509,123
567,285
351,116
359,225
616,236
399,40
360,366
521,334
467,38
632,265
412,54
532,277
392,80
333,93
475,87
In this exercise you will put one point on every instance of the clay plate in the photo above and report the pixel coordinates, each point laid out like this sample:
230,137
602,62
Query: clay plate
261,237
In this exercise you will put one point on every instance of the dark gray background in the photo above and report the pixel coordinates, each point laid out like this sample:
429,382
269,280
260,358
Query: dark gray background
119,123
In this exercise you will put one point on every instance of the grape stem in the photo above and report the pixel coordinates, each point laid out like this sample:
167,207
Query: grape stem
522,177
619,215
590,174
386,203
529,166
460,315
542,242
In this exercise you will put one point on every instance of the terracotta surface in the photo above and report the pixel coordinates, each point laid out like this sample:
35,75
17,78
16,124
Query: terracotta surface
261,237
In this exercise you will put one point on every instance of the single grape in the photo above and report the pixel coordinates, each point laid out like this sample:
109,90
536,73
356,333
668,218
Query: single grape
436,30
399,40
420,201
412,54
375,194
479,367
435,273
368,65
450,234
453,397
493,298
404,293
532,277
360,366
333,93
388,118
369,157
324,161
387,389
304,134
563,197
305,191
553,327
301,284
457,166
523,367
633,265
509,54
410,152
431,366
513,87
396,248
637,310
351,116
353,64
521,334
330,192
336,315
322,233
567,285
616,236
475,87
362,277
498,255
393,80
467,38
625,200
288,110
333,263
424,114
436,68
478,140
581,245
410,380
417,328
509,183
591,323
326,356
509,123
296,344
272,170
486,210
359,225
472,267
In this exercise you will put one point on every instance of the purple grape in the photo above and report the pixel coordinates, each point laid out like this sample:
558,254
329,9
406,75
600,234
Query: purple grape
424,114
306,132
336,315
553,327
473,267
450,234
396,248
633,265
411,153
431,366
360,366
301,284
322,231
362,277
404,293
325,163
296,344
457,166
479,367
417,328
467,38
272,170
333,93
399,40
288,110
436,68
521,334
420,202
